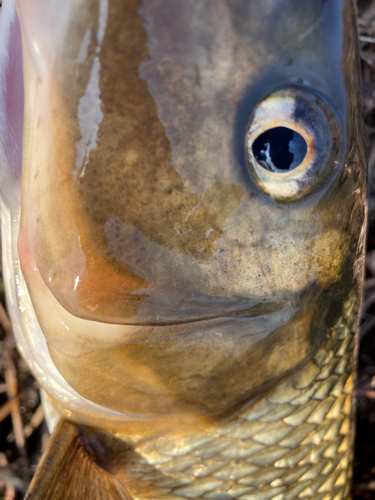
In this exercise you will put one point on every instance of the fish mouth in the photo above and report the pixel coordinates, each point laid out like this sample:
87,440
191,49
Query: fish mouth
239,327
164,306
189,312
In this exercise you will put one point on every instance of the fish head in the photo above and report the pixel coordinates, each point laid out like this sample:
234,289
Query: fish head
192,196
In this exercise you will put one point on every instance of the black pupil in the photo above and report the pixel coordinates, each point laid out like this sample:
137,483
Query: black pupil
279,149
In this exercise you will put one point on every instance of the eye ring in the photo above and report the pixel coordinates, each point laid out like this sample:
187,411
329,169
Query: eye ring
309,117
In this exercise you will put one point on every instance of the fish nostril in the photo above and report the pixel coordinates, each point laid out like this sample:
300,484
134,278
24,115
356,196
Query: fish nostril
279,149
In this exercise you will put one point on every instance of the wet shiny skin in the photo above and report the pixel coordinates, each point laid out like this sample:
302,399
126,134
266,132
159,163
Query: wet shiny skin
168,286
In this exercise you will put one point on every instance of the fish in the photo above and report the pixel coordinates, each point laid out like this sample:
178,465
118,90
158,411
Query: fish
183,205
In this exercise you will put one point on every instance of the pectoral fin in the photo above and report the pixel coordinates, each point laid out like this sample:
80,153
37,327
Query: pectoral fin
68,471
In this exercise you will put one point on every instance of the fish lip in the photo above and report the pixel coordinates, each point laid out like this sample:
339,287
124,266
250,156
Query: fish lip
219,328
225,317
256,310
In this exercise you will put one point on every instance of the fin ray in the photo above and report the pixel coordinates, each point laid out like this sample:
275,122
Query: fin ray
67,471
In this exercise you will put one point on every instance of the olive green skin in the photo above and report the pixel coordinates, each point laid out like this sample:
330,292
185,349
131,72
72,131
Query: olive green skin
235,298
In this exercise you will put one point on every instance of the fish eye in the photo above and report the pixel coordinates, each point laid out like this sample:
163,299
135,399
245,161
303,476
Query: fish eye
294,143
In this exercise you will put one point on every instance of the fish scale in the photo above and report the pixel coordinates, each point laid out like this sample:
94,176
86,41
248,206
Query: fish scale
293,443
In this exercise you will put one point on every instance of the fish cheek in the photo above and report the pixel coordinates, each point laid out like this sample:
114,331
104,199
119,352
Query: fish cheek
206,374
219,383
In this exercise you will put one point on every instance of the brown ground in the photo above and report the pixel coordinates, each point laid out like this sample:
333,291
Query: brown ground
23,434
